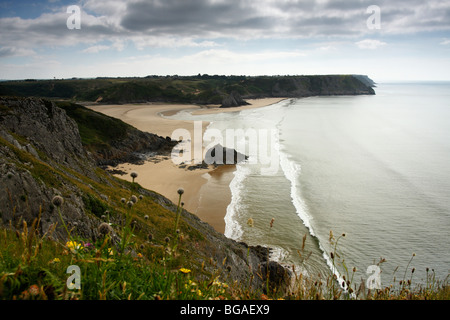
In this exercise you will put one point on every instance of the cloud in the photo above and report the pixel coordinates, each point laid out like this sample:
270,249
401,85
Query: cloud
370,44
95,49
15,51
204,23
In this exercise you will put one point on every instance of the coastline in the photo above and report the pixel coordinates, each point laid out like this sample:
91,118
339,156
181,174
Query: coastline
160,174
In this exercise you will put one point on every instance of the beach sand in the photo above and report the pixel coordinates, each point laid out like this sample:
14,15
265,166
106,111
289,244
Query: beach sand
207,193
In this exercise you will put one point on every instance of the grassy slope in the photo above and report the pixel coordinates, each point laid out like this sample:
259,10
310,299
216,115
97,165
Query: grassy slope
196,89
95,129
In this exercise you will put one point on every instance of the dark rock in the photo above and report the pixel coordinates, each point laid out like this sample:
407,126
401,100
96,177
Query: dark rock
221,155
234,99
276,275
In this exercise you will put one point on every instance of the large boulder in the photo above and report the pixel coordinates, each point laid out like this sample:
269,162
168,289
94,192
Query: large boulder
234,99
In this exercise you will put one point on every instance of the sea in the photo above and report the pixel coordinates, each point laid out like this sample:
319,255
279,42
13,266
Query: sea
337,184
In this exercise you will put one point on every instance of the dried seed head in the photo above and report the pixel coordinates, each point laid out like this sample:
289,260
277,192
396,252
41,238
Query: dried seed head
134,198
180,191
104,228
57,201
130,204
134,175
146,217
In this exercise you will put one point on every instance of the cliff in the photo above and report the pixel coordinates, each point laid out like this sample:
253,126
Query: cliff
112,141
42,155
201,89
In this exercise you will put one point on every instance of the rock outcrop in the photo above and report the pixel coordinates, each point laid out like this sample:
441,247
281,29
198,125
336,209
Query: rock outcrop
36,131
219,155
234,99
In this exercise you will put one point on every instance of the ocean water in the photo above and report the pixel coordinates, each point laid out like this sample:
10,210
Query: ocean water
375,168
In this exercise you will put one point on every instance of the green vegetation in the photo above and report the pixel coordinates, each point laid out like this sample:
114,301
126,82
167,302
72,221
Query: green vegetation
200,89
96,129
33,267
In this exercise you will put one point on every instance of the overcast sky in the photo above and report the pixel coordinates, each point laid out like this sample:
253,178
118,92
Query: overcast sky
407,40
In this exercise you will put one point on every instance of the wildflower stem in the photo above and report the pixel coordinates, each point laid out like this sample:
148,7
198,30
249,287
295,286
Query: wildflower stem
404,276
180,193
64,224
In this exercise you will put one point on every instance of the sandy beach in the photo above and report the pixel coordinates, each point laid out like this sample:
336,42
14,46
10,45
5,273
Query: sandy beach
207,193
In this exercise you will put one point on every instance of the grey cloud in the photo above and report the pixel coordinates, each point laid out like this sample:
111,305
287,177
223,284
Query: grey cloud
143,21
191,17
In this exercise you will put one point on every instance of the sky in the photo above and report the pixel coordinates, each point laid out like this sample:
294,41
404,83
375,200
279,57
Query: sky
393,40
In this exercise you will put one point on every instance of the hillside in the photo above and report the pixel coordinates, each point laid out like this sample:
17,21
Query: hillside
201,89
112,141
42,155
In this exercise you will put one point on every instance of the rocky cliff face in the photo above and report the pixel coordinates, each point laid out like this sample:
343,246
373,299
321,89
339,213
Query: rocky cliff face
41,155
47,128
305,86
39,143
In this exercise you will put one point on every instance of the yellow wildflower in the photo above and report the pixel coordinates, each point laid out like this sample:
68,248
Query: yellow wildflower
184,270
56,260
74,246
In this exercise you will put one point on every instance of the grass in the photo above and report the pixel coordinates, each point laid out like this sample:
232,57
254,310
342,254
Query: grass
121,266
35,267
